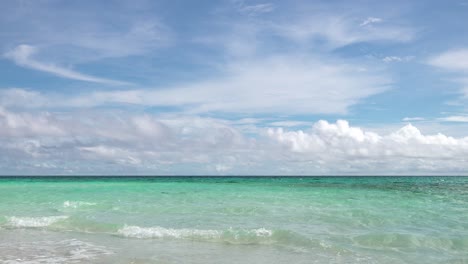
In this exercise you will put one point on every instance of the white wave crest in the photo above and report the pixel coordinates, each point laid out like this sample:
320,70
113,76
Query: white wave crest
161,232
76,204
229,236
34,221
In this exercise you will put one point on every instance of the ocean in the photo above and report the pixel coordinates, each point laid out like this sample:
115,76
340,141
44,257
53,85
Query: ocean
234,220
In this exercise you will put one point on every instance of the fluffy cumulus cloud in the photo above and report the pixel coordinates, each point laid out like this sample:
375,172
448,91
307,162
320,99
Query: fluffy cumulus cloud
341,147
122,143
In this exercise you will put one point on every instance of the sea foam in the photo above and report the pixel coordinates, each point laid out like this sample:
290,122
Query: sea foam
161,232
46,251
34,221
76,204
232,236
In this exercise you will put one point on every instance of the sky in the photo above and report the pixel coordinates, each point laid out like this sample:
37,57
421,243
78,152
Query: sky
233,87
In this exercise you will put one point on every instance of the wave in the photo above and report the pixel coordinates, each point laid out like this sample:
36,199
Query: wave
160,232
43,221
230,236
76,204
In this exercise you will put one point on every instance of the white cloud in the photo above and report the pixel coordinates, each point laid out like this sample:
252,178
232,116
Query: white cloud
371,20
289,123
311,32
406,119
24,125
455,61
22,54
113,142
118,155
221,168
276,85
23,98
103,138
73,34
389,59
339,31
253,10
452,60
341,139
341,147
456,118
325,136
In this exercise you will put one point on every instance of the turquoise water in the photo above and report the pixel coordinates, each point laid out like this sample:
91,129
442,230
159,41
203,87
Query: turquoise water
234,220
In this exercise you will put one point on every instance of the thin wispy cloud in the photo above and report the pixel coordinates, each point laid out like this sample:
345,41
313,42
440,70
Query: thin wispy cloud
409,119
22,55
371,20
456,62
389,59
255,9
285,84
340,30
453,60
455,118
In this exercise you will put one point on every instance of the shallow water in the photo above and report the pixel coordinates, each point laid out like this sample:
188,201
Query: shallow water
234,220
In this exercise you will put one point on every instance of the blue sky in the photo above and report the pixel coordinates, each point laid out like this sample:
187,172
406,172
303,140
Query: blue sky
233,87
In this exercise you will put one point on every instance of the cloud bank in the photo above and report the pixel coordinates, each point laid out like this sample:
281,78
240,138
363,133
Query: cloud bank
121,143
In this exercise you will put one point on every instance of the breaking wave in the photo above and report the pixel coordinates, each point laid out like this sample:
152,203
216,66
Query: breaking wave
230,236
